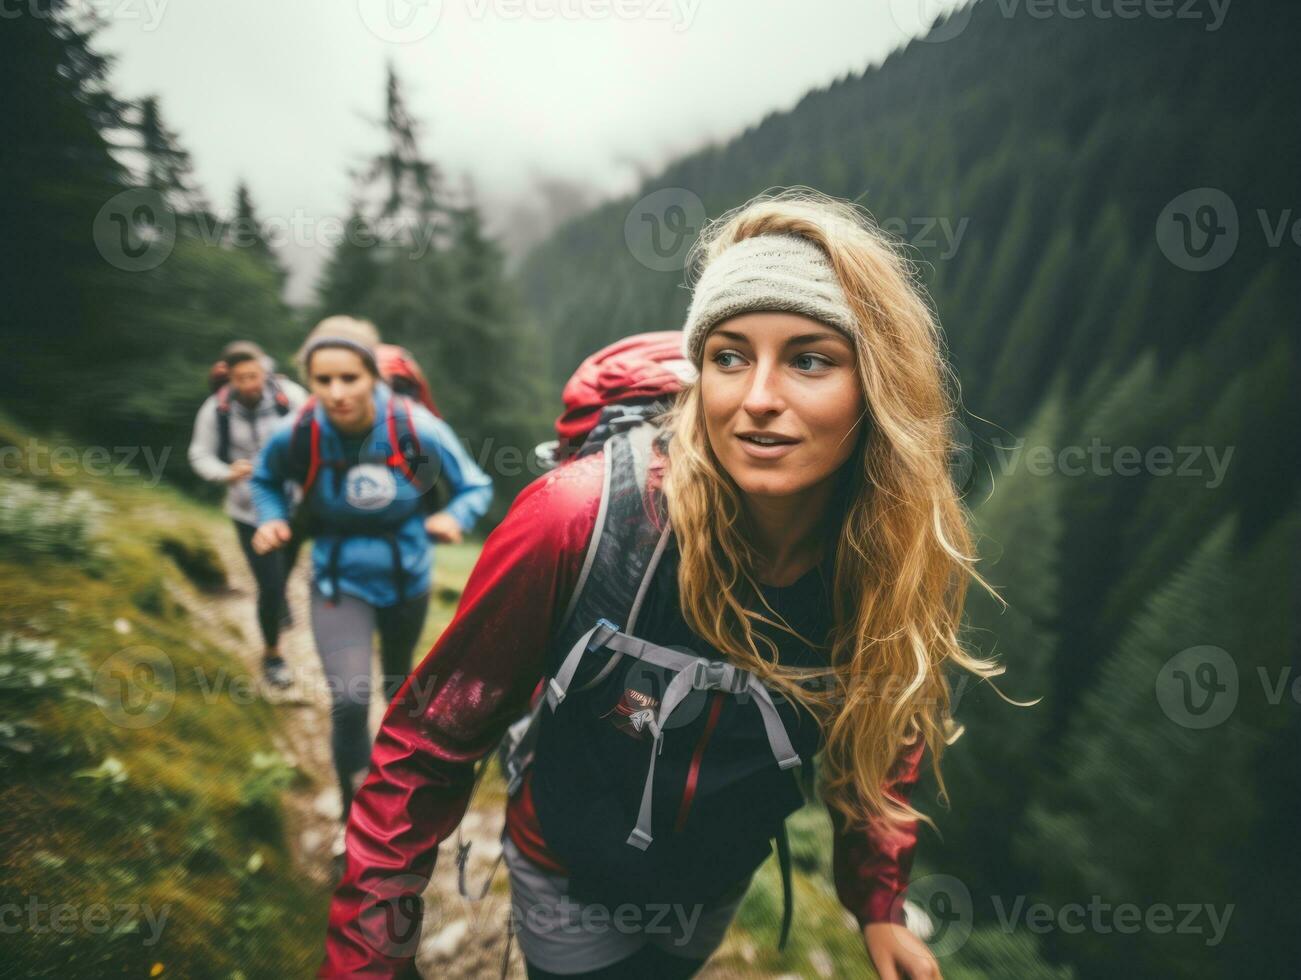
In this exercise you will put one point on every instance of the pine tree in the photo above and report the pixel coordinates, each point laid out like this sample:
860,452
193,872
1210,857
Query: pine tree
1099,502
1239,426
1133,813
245,231
121,355
1009,269
352,273
434,282
1037,333
166,165
1266,864
1109,268
410,184
56,172
1020,526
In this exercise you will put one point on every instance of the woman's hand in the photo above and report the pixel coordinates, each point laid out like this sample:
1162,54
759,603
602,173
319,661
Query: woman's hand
443,527
270,536
897,953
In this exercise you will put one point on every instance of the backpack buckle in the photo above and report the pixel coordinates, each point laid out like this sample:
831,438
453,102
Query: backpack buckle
555,693
604,630
715,675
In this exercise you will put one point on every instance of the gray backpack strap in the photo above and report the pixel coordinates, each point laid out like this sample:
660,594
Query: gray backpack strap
625,548
620,563
617,571
594,544
706,675
593,639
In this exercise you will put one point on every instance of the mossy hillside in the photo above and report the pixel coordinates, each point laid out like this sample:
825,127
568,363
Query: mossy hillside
143,831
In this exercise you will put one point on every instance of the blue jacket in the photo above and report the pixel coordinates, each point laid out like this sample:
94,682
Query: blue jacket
371,497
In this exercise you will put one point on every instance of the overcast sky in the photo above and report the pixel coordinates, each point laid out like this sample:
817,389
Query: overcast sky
283,93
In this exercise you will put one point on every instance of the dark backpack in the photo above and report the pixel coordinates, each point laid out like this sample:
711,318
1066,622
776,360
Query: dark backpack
223,412
591,656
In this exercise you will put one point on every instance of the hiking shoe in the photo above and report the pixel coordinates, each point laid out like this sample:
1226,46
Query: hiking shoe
276,672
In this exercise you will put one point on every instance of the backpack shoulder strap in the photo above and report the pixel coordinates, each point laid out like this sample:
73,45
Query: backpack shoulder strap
305,447
278,394
628,541
788,895
223,423
404,442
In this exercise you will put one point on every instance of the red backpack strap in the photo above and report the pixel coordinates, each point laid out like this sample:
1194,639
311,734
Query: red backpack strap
305,447
404,445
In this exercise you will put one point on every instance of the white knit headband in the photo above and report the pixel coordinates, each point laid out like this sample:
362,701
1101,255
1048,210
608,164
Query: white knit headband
778,272
366,353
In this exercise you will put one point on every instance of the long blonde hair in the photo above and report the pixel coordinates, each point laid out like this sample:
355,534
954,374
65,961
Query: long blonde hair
903,551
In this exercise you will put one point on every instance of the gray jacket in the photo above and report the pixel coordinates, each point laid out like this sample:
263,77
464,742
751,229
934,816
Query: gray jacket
249,431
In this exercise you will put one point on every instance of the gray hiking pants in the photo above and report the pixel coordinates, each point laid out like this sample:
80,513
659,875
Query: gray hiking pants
559,935
344,641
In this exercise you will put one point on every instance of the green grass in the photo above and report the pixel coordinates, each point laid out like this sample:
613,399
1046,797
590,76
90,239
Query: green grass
143,831
452,566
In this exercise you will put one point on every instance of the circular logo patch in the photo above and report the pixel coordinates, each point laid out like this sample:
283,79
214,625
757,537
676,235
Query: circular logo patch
370,487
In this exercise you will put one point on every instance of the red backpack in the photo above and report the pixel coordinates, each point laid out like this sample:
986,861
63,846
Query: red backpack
218,375
620,386
398,367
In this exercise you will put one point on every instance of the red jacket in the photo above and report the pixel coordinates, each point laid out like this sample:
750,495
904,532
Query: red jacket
456,705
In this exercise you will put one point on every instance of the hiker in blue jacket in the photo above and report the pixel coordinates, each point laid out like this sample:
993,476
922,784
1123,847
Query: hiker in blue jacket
366,459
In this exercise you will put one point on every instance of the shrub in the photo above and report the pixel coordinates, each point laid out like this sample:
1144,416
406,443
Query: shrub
49,524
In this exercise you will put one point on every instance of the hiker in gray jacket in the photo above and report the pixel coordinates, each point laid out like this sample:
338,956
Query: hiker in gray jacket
230,430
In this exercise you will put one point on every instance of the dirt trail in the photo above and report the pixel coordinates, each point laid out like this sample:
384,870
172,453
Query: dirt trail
458,939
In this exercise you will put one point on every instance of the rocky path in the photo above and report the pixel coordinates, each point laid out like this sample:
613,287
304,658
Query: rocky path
459,938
